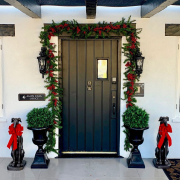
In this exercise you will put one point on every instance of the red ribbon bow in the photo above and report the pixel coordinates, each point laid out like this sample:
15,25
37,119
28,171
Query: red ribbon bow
163,131
17,131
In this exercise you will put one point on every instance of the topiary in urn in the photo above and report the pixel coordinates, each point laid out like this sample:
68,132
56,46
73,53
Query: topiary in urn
135,121
39,121
39,117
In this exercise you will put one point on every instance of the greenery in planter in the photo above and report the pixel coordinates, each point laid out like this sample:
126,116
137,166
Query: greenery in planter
42,117
134,117
39,117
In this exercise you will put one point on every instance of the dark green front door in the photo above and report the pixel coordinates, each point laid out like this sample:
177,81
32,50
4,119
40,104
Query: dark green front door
90,83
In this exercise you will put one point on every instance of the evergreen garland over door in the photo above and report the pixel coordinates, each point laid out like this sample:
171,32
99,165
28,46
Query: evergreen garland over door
90,103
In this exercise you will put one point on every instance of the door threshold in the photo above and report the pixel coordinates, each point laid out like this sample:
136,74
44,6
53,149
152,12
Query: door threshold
87,152
89,155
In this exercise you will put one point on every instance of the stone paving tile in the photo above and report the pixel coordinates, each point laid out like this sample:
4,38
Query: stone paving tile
117,178
150,172
18,178
82,169
1,159
27,173
67,167
154,178
69,177
111,168
49,179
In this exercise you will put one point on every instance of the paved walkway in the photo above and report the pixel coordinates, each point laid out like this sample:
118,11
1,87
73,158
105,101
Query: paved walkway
83,169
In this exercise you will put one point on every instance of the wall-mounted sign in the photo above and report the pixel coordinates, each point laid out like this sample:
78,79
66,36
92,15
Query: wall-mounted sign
31,97
140,91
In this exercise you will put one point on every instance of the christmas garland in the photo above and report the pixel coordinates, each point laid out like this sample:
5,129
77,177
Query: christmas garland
100,30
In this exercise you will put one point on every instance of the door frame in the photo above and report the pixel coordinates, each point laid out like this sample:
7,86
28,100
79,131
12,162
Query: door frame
60,65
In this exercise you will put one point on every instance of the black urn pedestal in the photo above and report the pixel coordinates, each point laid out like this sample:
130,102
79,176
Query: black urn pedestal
40,138
136,138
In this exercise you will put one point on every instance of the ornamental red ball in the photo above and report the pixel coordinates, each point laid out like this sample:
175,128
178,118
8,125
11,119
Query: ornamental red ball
124,26
78,30
51,74
129,104
128,64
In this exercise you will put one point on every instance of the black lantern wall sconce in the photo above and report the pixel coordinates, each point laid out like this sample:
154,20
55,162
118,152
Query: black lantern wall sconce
139,63
42,61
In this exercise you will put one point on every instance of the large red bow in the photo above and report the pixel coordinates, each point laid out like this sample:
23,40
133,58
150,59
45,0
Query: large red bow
163,131
17,131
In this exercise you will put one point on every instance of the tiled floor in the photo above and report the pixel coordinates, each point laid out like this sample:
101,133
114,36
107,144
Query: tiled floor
83,169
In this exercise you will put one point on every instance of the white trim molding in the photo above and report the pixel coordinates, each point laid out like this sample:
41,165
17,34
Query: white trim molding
176,119
1,80
2,119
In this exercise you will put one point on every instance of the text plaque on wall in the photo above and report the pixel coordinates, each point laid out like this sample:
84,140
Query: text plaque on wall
31,97
140,91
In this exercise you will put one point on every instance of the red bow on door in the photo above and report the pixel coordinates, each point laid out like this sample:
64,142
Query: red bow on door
163,131
17,131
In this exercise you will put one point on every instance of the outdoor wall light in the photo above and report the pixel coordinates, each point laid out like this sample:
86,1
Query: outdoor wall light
139,63
42,60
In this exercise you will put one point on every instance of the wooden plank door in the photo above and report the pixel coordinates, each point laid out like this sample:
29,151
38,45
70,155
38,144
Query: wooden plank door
90,98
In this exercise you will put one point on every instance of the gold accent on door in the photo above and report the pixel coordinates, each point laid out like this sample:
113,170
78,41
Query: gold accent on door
89,152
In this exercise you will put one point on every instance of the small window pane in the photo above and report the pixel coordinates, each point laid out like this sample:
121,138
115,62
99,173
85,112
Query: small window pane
102,69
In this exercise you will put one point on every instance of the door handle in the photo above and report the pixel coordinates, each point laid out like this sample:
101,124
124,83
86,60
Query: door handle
114,108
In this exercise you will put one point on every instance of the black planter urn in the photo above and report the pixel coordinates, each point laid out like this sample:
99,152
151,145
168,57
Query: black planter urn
40,138
136,138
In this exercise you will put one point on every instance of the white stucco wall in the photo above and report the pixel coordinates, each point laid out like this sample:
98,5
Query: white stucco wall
21,74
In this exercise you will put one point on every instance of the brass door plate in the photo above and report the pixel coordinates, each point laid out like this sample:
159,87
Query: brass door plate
89,85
